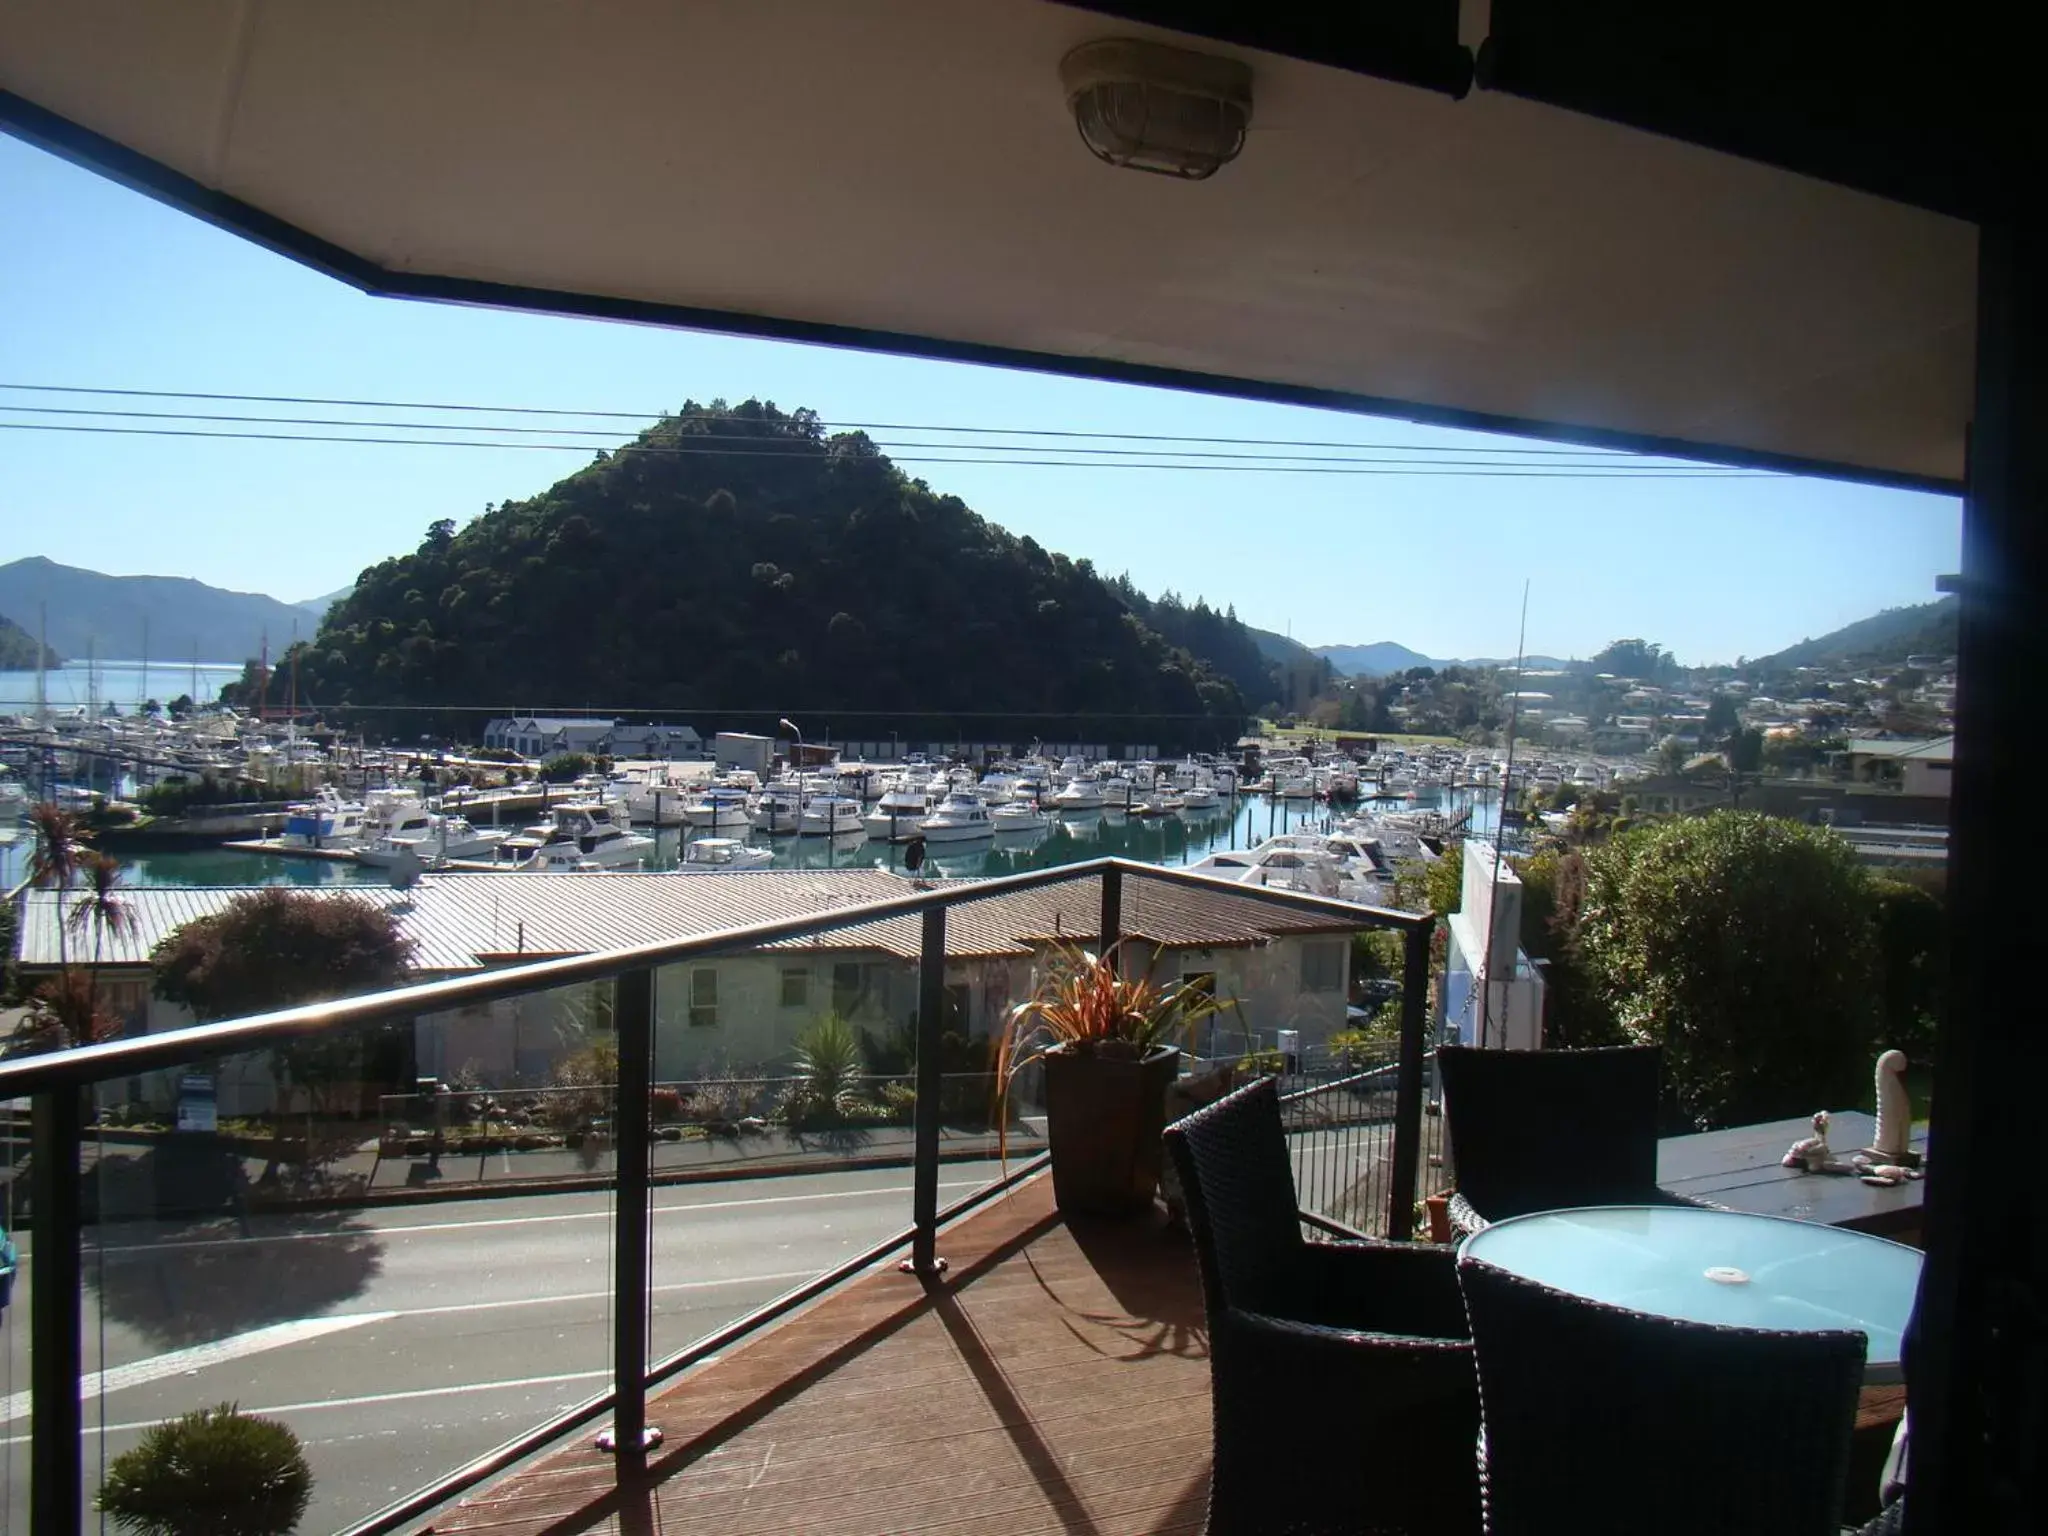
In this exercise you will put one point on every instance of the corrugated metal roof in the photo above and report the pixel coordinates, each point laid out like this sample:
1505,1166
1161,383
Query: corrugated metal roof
462,922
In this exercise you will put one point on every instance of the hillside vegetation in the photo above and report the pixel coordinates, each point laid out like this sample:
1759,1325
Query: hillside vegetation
19,648
1886,638
736,564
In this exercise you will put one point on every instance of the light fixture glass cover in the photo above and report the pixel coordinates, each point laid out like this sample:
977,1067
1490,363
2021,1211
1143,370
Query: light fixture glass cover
1155,108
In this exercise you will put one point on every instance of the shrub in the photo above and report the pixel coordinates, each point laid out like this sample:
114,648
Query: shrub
1744,944
213,1472
829,1063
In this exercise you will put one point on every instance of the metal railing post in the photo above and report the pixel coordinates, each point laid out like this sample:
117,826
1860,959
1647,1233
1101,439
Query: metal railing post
633,1016
56,1311
1407,1162
931,1009
1112,908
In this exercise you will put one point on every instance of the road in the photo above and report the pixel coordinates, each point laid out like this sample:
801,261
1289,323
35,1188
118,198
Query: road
401,1342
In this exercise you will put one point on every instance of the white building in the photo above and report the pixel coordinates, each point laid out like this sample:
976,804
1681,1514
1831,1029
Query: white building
1491,994
1279,969
544,735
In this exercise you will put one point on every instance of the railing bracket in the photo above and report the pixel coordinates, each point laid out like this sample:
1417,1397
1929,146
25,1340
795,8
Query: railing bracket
608,1440
937,1266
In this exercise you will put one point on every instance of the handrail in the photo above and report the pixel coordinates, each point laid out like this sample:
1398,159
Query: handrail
174,1048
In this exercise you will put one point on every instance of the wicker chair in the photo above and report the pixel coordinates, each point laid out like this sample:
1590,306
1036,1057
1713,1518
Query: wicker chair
1341,1377
1601,1421
1545,1130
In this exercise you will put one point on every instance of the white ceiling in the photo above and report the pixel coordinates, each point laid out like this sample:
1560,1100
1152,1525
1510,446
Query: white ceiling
908,166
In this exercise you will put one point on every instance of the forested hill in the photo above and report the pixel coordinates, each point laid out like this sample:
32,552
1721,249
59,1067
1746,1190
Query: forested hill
19,649
736,564
1886,638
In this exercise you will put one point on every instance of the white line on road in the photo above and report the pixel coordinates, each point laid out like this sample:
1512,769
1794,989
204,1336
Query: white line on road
527,1382
181,1362
537,1301
518,1221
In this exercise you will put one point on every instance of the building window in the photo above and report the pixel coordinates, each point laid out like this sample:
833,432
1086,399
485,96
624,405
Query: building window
959,1006
1203,982
796,988
847,986
703,998
1322,967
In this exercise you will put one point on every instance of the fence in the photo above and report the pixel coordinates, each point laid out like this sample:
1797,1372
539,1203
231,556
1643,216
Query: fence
178,1284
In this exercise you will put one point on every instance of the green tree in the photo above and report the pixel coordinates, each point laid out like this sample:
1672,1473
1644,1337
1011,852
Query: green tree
100,906
276,948
1723,720
565,767
1912,942
1634,658
53,860
1745,945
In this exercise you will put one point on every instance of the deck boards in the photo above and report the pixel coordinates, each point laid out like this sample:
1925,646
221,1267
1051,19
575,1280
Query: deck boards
1056,1381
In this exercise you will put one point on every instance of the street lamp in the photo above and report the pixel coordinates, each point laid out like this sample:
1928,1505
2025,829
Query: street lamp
790,726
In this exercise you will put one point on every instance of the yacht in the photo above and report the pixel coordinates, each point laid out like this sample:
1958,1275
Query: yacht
779,808
721,808
1200,797
1156,802
722,856
1019,816
654,800
13,796
585,835
831,815
1079,793
431,839
326,821
896,815
958,819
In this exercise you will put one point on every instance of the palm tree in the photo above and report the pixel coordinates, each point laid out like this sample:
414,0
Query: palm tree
54,859
100,906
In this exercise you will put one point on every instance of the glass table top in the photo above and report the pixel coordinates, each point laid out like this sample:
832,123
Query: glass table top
1725,1267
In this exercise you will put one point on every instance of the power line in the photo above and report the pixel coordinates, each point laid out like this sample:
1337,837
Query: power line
866,426
797,446
1280,465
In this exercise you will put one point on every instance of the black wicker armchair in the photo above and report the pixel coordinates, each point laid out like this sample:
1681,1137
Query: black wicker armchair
1601,1421
1341,1374
1546,1130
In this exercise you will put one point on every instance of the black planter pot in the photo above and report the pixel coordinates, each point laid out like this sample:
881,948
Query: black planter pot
1104,1118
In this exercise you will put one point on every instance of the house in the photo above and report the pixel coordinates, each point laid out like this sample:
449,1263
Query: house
657,743
544,735
1913,767
744,1013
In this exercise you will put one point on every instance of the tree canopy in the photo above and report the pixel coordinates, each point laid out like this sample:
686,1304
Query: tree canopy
1745,945
736,563
276,947
19,649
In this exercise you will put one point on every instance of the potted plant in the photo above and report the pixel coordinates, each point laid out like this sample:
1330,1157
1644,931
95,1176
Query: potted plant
213,1472
1108,1047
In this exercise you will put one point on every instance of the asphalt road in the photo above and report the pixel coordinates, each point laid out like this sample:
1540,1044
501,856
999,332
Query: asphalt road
401,1342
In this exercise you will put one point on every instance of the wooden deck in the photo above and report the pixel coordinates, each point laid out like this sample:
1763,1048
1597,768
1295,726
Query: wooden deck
1056,1380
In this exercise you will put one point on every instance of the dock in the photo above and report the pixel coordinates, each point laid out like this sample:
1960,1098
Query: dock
282,849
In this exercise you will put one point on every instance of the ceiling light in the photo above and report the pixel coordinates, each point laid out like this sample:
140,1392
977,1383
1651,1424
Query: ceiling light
1159,109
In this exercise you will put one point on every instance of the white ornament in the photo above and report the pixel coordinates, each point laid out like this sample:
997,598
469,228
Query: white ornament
1894,1135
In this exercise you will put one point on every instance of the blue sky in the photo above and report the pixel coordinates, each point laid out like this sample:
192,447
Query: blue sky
100,287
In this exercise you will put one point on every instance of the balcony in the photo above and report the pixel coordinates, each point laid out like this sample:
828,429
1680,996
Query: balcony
425,1333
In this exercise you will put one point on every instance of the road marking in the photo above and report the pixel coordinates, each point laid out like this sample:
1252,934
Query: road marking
180,1362
538,1301
526,1383
518,1221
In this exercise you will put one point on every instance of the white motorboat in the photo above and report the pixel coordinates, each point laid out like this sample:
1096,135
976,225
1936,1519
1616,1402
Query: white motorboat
896,815
1079,793
719,809
654,800
1155,802
1200,797
779,808
722,856
959,818
432,840
830,816
585,835
325,821
1019,816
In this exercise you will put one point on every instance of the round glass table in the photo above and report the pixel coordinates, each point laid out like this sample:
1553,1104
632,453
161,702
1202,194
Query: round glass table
1726,1267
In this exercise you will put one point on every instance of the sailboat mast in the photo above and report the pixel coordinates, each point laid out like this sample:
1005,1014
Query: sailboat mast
42,664
143,696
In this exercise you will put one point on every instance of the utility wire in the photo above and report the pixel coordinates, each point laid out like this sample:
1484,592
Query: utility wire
868,426
1282,464
799,446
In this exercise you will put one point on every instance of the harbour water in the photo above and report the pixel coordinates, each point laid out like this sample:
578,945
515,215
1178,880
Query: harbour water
1170,841
124,684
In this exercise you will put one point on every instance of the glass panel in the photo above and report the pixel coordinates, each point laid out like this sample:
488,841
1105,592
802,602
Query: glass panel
309,1234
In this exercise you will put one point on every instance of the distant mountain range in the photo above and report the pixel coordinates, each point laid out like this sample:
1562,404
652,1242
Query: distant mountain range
88,609
318,606
1883,638
19,649
1385,656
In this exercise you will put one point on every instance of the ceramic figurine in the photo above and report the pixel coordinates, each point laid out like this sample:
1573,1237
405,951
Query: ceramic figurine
1812,1153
